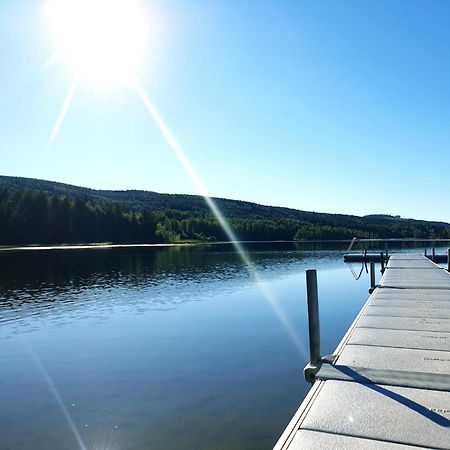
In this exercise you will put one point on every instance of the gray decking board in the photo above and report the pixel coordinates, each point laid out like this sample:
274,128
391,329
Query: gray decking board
395,358
432,304
386,377
408,312
416,278
397,256
405,323
421,276
428,295
412,263
395,414
412,294
416,273
405,326
430,340
316,440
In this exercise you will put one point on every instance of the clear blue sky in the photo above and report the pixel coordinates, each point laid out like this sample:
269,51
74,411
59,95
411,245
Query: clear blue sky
335,106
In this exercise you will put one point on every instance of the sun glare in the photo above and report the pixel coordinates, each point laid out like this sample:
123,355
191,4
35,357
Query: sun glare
101,41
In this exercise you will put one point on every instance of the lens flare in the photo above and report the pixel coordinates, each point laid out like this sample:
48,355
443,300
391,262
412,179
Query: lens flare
57,396
104,42
220,218
62,112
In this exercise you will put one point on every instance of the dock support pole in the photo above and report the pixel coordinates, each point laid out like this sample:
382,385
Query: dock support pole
448,260
314,328
386,250
434,254
425,252
372,277
382,262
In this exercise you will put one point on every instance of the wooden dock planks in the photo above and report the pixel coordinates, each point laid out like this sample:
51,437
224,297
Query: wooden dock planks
404,326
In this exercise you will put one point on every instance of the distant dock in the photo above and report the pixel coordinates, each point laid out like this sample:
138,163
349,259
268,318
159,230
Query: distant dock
387,385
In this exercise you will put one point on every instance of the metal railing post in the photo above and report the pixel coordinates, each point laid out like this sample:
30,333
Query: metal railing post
351,244
434,254
448,260
382,261
372,276
314,327
425,252
313,317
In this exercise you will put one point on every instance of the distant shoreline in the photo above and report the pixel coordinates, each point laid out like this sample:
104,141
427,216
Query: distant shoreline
107,245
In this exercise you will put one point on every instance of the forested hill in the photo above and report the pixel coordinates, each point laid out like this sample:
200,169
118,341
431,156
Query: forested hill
38,211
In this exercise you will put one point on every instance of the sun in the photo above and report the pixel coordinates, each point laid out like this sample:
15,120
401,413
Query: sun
102,42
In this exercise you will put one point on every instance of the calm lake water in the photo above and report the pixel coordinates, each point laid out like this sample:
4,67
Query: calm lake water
161,348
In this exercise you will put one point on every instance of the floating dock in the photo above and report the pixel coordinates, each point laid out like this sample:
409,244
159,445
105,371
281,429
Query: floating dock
377,257
387,385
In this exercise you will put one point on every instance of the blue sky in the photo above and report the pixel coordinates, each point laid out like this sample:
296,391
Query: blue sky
334,106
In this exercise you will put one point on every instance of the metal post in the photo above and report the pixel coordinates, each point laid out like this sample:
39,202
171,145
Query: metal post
382,261
372,276
313,317
448,260
434,254
386,250
425,252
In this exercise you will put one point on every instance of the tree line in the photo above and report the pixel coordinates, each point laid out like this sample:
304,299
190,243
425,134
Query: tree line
32,216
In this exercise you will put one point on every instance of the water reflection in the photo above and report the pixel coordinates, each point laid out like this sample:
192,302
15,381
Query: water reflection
165,348
38,282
